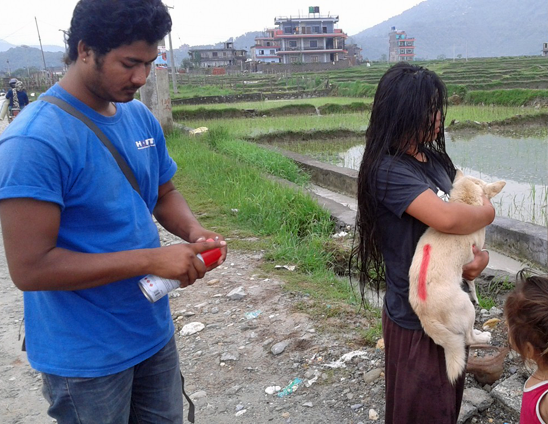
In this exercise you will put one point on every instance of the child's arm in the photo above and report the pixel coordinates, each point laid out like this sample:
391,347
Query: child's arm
543,407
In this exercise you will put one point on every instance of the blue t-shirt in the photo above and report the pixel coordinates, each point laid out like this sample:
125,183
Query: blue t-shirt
48,155
399,182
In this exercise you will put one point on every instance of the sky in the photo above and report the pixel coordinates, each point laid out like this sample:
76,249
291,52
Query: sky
202,22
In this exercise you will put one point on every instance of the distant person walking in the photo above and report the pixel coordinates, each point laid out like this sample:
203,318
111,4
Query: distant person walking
17,97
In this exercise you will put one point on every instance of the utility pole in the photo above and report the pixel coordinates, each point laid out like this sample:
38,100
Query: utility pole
65,35
40,40
173,73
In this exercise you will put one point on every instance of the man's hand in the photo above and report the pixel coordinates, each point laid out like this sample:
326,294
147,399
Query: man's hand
179,261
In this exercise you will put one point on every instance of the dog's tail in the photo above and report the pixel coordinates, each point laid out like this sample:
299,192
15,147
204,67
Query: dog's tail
453,345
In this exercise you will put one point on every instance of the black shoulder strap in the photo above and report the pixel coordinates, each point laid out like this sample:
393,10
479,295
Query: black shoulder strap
104,139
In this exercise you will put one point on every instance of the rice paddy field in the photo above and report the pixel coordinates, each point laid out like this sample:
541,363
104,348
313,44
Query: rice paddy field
331,128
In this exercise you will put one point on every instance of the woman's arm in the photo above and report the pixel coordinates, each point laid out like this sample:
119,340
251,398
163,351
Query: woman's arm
450,217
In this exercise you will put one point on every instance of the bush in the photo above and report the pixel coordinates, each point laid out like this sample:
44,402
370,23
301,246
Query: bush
515,97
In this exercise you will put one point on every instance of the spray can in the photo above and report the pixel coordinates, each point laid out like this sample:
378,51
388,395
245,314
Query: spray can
154,287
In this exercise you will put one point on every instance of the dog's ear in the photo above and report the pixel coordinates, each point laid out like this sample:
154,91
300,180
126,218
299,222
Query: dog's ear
458,175
492,189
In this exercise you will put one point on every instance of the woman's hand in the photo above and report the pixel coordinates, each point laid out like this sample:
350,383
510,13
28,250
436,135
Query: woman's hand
473,269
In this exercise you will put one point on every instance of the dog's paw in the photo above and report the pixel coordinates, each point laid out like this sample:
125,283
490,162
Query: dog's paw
485,336
480,337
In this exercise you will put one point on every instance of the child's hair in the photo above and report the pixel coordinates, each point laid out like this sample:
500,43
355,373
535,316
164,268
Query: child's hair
526,311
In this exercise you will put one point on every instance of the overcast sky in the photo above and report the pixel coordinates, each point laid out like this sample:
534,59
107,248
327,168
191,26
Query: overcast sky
200,22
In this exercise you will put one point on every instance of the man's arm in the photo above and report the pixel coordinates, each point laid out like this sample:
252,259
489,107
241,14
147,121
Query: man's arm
30,228
174,214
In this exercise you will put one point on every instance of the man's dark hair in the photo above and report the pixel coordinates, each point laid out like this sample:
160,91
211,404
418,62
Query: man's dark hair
105,25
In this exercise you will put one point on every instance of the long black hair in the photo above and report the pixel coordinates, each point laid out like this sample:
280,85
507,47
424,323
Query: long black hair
108,24
402,121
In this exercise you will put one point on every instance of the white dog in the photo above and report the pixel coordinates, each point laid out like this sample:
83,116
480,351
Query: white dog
445,310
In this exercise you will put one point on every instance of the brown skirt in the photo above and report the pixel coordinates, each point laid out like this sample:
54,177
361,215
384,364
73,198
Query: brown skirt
417,387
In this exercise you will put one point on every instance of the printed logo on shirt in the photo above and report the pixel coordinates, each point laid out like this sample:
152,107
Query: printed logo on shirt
442,195
145,144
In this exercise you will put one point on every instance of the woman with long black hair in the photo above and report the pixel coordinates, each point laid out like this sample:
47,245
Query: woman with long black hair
403,187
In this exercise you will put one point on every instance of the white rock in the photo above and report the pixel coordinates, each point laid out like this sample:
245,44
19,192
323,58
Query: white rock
270,390
373,415
191,328
236,294
198,395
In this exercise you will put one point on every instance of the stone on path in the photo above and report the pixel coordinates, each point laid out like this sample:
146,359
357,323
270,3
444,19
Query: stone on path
236,294
279,347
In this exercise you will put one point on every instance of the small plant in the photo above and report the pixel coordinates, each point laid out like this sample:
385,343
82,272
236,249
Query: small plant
486,302
372,334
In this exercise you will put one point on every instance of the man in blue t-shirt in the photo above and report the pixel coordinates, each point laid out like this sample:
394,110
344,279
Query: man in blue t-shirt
78,237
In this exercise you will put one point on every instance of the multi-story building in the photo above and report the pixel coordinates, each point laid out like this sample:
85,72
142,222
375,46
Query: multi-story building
545,49
214,58
309,39
354,54
402,47
266,48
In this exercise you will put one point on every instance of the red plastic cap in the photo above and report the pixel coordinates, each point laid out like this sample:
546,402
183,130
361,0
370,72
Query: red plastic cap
211,256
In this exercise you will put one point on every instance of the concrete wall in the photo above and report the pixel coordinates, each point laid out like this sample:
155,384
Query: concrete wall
155,95
521,240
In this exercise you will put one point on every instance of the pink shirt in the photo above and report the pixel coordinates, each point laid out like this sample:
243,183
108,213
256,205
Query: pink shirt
530,403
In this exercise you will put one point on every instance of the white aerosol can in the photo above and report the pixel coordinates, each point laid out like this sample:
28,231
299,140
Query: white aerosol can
154,287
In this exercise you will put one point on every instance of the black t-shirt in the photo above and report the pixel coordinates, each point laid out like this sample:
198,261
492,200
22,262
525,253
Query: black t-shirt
399,182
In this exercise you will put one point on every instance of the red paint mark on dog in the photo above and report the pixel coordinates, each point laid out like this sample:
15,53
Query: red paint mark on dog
424,271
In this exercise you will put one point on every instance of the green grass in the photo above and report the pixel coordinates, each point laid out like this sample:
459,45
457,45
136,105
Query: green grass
514,97
229,189
296,227
243,128
273,163
486,113
269,104
185,91
486,302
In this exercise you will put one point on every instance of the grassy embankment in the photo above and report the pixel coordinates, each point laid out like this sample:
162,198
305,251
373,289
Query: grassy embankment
228,185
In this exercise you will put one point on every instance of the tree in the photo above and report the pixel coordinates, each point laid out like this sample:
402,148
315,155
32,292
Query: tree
187,63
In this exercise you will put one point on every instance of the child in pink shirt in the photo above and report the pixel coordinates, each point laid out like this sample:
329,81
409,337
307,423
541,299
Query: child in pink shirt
526,311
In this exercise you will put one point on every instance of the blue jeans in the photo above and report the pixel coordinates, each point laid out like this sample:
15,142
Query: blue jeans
149,392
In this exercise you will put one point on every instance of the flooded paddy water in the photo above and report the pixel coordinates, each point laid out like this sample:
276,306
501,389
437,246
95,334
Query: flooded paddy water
521,162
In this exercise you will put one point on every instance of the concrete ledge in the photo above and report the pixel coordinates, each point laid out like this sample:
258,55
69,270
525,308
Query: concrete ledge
341,180
521,240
